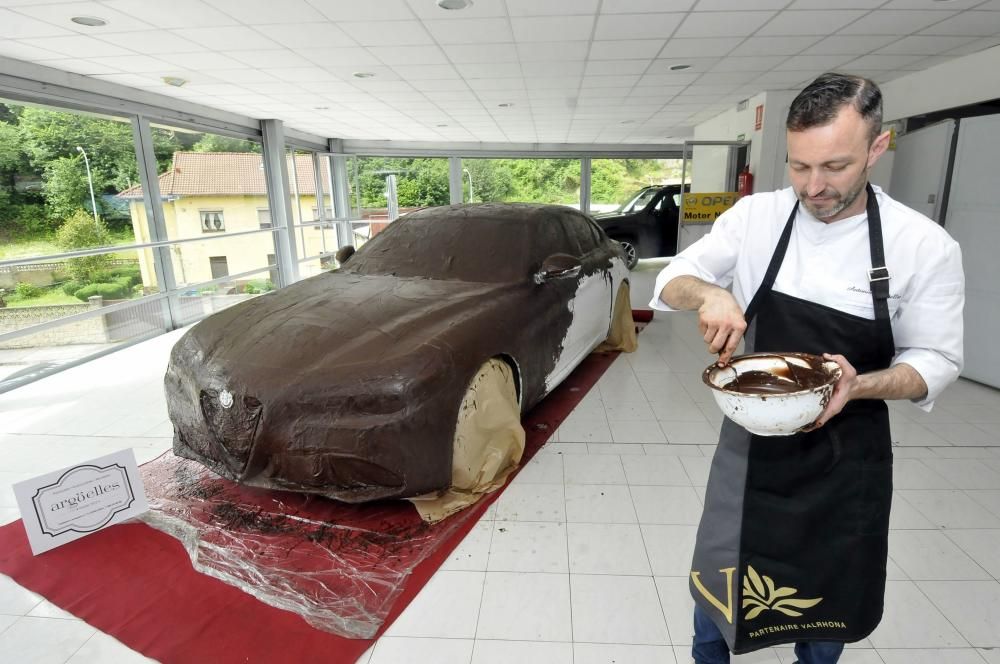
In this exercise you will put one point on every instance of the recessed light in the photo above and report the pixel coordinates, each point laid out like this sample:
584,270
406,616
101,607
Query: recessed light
506,104
443,124
452,5
679,67
321,108
175,81
364,74
627,122
89,21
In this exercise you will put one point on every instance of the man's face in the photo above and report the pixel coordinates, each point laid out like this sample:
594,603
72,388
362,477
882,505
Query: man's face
829,165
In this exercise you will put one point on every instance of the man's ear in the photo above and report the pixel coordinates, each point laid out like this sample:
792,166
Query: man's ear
879,146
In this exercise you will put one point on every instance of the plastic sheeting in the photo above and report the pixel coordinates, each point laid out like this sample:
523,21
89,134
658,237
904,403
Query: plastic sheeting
338,566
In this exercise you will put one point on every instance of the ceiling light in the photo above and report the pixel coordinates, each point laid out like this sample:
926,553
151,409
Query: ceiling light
679,67
175,81
626,122
506,104
443,124
454,4
363,74
89,21
321,108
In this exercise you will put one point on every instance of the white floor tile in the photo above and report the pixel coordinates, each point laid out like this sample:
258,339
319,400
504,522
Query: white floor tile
528,547
911,620
786,655
16,600
690,432
9,515
667,505
905,516
968,473
678,608
962,433
630,411
677,410
697,469
7,621
532,502
542,469
593,469
617,609
606,548
930,555
988,499
522,652
447,607
525,607
617,653
951,509
669,548
586,431
655,471
43,640
46,609
636,431
915,474
563,448
674,449
592,503
404,650
621,449
973,607
983,546
917,656
471,555
104,649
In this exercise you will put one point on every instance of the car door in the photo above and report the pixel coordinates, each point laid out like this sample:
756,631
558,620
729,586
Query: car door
593,300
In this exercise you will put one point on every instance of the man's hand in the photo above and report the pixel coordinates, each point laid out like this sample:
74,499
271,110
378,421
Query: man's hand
722,325
720,318
842,391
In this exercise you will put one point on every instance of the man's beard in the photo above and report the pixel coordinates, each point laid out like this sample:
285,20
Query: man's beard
838,203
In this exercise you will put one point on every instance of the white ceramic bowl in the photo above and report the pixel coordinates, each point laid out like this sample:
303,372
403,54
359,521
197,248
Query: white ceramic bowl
773,414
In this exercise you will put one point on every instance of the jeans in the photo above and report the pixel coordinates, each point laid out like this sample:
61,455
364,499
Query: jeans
710,648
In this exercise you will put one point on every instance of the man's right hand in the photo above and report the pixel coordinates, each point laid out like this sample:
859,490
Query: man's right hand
720,318
722,325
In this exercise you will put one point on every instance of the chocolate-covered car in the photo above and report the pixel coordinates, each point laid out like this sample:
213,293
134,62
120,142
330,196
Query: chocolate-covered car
349,384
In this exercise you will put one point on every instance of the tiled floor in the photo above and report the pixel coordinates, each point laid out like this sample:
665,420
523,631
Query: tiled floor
583,559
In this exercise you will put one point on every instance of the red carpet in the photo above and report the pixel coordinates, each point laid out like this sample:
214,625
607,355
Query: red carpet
137,583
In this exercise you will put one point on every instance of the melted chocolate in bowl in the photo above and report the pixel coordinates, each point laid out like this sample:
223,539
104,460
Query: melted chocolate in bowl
784,378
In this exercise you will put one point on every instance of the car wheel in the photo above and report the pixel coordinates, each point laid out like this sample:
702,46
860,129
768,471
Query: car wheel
489,438
621,335
631,255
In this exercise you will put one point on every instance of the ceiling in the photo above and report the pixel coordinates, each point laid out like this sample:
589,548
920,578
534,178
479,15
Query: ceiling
524,71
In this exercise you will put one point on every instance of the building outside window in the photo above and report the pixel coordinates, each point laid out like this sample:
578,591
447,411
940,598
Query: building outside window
219,266
264,218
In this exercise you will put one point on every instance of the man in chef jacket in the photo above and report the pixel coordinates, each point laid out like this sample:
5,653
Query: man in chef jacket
792,545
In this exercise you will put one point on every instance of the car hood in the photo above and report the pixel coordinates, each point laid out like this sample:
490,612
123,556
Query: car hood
331,325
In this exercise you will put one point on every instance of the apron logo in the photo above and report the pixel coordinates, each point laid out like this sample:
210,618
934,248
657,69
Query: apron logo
760,594
727,608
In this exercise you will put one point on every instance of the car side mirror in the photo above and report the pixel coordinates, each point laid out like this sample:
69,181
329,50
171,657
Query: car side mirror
344,253
558,266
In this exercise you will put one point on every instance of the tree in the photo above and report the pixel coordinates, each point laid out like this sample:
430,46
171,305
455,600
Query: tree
607,181
216,143
81,231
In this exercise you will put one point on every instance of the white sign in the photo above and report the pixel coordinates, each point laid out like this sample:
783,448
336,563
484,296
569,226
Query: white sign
68,504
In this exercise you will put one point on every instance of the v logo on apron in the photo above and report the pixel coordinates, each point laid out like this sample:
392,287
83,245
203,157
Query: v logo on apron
793,541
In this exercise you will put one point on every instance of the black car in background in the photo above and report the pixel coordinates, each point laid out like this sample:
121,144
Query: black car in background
646,224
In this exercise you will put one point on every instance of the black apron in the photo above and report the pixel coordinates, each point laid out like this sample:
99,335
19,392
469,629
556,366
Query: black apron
793,541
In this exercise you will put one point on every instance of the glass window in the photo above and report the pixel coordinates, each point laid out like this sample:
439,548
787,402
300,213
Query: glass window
264,218
212,221
522,181
199,300
621,186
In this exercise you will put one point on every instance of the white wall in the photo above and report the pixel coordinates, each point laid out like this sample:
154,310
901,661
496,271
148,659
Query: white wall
966,80
767,144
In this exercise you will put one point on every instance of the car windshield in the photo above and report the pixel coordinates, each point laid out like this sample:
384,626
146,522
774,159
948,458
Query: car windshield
638,200
487,243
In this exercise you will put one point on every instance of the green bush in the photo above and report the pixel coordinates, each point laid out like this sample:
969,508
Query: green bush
133,274
81,231
27,291
72,286
107,291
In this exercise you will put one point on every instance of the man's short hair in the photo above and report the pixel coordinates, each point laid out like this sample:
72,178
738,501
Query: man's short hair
820,102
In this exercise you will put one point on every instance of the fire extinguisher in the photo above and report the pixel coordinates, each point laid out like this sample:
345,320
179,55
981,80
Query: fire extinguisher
744,181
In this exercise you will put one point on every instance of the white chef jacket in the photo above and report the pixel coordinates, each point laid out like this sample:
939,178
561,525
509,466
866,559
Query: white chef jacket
828,264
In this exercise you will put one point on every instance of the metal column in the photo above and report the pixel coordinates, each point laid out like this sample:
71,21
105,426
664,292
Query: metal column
585,185
455,179
276,173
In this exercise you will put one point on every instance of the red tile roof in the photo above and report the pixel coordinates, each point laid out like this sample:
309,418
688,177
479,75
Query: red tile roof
226,174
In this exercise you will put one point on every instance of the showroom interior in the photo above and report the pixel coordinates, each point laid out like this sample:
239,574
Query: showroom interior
163,162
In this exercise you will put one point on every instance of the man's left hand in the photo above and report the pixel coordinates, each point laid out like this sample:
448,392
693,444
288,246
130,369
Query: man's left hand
841,391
